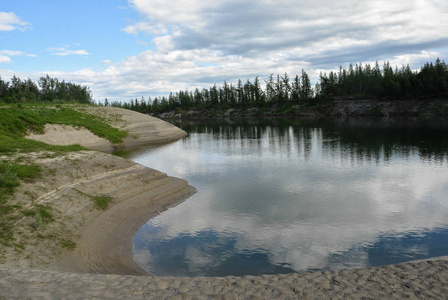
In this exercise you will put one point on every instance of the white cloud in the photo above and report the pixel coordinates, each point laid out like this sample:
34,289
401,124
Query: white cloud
5,55
106,62
239,27
63,51
4,59
11,52
9,22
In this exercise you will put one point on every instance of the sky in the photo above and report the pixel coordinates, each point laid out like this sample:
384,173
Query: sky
131,49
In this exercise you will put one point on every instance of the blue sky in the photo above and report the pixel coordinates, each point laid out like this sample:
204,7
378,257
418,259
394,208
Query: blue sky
127,49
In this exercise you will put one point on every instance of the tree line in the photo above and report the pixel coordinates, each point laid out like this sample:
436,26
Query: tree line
373,81
280,88
47,89
359,81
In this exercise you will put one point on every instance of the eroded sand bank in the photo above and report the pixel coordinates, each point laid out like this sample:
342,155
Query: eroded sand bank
142,129
104,238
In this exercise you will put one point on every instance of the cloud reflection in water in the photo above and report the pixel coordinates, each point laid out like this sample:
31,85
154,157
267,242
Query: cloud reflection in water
301,196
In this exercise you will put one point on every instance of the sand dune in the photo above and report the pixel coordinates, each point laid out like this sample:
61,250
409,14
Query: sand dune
142,129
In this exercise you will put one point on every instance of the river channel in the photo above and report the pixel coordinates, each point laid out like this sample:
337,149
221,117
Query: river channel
294,195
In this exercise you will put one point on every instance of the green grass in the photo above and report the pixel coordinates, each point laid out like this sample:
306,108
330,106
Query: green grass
68,244
42,215
16,121
102,202
11,173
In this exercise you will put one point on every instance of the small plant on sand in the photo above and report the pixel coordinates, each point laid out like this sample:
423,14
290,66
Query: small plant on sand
8,176
102,202
11,172
68,244
42,216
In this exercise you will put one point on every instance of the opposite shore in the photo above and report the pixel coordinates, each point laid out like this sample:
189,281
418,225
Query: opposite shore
317,109
101,264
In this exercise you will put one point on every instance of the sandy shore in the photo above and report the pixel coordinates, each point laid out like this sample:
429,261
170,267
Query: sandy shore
101,266
413,280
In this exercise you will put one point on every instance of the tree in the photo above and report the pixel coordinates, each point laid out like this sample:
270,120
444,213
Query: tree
286,87
258,92
270,89
295,89
306,86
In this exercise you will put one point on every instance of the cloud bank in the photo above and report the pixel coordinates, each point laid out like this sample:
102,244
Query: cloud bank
192,44
197,43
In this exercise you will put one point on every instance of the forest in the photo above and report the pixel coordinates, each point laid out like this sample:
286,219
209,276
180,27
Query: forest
47,89
357,81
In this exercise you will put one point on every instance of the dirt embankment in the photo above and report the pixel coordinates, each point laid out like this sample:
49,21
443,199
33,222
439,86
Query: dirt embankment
322,108
81,214
142,130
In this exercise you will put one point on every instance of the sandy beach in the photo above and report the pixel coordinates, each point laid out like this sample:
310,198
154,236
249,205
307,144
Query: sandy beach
98,261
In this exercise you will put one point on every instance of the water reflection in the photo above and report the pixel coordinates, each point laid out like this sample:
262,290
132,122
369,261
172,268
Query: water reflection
294,195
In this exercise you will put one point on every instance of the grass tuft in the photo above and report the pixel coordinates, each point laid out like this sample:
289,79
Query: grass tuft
102,202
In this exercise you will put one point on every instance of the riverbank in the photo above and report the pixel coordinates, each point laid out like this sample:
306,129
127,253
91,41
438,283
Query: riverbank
81,213
62,258
317,109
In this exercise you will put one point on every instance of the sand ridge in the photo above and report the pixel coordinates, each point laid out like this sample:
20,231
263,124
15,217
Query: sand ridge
142,130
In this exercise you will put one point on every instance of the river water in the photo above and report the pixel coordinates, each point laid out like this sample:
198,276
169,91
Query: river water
293,195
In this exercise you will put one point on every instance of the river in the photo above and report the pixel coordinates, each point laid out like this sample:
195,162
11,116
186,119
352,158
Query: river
293,195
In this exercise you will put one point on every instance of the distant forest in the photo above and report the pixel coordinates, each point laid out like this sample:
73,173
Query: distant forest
359,81
47,89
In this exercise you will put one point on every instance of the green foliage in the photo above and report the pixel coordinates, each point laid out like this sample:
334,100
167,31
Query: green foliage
102,202
51,90
8,176
11,172
398,83
355,81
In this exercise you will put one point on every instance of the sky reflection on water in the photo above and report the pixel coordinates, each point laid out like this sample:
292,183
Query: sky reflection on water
299,195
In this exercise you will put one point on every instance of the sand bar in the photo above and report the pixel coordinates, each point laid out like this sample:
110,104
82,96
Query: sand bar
101,266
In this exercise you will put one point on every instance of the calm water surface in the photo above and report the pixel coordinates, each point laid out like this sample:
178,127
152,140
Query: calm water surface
297,195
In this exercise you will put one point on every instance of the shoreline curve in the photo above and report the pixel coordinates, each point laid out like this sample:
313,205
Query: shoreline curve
102,264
